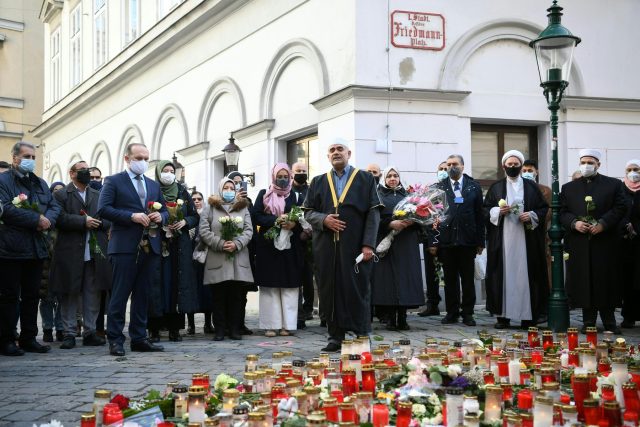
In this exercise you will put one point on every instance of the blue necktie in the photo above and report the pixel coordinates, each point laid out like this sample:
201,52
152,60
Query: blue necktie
141,193
456,186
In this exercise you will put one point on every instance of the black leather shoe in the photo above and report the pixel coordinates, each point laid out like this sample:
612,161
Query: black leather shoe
245,331
332,347
323,323
301,325
47,335
431,310
116,349
502,324
145,346
11,349
175,336
404,326
59,336
93,340
627,324
469,320
208,329
68,343
191,330
236,336
449,319
308,315
34,346
218,337
154,336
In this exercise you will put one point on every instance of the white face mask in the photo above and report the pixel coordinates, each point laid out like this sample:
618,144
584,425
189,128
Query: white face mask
138,167
587,170
633,176
167,178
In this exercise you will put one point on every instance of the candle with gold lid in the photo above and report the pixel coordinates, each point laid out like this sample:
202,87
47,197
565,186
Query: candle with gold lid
180,393
100,398
347,347
230,398
251,362
493,403
196,404
543,411
88,420
276,361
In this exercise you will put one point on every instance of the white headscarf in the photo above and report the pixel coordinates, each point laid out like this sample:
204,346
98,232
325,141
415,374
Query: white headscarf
383,177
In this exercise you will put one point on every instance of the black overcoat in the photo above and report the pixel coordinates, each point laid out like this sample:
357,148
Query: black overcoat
345,295
67,263
535,243
275,268
592,280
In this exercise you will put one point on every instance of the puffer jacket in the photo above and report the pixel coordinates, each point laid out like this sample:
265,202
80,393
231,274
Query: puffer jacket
19,237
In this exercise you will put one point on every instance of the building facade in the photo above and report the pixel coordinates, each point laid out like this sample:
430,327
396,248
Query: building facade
21,79
407,82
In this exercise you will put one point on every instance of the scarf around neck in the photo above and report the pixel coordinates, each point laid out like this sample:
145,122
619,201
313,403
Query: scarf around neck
274,198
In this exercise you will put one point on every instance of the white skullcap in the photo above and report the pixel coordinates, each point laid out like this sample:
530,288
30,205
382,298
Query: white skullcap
513,153
339,141
590,152
632,162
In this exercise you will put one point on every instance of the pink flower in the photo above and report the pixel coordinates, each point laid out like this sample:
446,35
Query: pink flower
22,197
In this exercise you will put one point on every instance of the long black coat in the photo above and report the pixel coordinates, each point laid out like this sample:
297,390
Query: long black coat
175,289
535,243
345,296
592,265
464,224
275,268
397,277
629,254
67,263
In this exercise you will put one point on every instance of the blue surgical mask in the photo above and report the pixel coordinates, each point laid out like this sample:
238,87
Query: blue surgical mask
27,165
443,174
529,175
228,196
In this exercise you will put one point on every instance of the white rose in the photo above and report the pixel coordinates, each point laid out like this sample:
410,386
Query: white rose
588,199
180,202
454,370
222,219
418,409
502,203
16,201
157,206
437,420
238,220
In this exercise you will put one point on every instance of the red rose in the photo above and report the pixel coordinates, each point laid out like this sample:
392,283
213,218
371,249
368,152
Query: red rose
150,205
121,401
83,212
171,204
422,211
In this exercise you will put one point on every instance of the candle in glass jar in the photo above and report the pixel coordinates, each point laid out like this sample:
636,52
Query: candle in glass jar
488,377
572,338
611,413
330,408
196,404
405,346
380,416
347,347
569,415
368,379
88,420
536,356
514,368
503,369
100,398
455,402
588,360
180,400
547,341
225,419
348,413
525,400
620,373
592,336
580,385
230,398
543,411
532,337
471,420
256,419
493,404
591,411
403,417
276,361
349,383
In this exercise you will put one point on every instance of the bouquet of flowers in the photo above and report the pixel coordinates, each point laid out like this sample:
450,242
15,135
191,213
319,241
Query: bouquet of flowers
175,215
94,247
152,230
424,205
280,237
230,228
21,201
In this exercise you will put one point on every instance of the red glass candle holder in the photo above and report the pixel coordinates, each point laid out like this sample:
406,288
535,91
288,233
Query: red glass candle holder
630,394
604,366
330,408
338,395
572,338
608,393
574,358
533,337
349,382
581,389
380,415
488,377
547,339
525,400
369,380
591,412
592,336
503,369
611,413
536,356
348,413
403,417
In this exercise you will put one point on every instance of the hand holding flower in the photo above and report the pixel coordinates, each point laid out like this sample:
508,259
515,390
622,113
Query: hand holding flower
596,229
229,246
525,217
155,217
177,225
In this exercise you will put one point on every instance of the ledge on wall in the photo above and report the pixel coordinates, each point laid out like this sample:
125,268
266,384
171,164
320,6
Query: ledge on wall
596,103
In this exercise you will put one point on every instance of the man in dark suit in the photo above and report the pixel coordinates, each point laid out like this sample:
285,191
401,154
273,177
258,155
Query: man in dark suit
79,269
462,236
134,247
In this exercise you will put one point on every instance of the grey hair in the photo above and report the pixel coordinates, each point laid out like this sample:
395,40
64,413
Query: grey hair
458,156
130,147
18,146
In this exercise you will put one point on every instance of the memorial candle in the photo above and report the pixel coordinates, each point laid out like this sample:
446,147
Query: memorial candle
88,420
403,417
368,379
533,338
547,341
503,369
348,413
591,412
592,336
493,404
196,404
349,383
330,408
543,412
180,400
380,415
525,400
572,338
611,413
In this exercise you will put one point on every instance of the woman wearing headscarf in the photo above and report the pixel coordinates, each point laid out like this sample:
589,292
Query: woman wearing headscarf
174,292
397,277
630,246
227,269
278,272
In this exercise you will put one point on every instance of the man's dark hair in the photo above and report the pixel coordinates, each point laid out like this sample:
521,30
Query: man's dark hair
4,165
530,162
95,168
15,150
458,156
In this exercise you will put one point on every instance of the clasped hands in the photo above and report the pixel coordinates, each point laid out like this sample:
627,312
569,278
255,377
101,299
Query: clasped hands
144,219
586,228
284,223
523,217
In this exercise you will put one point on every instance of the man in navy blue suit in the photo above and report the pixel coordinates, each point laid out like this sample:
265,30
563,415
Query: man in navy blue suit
134,247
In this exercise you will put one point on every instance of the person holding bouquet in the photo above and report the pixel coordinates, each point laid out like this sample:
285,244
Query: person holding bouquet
174,292
278,270
226,229
397,278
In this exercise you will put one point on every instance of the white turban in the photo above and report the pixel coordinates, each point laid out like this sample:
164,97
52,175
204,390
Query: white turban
632,162
339,141
513,153
590,152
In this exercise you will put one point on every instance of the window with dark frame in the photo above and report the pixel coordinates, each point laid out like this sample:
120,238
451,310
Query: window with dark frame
303,150
490,142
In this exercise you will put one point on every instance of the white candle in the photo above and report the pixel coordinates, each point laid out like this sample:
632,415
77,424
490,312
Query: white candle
620,373
196,412
514,371
543,412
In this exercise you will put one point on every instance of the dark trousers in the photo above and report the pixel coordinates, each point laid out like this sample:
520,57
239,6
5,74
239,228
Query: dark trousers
308,293
590,315
130,279
433,287
172,321
228,306
457,263
19,294
104,303
336,333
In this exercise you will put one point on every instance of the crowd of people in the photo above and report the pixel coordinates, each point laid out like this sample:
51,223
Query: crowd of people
87,249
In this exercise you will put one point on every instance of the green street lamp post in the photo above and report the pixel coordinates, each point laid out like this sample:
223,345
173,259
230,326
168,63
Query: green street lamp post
554,52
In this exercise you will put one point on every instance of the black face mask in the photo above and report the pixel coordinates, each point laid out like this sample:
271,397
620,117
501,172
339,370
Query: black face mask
455,172
512,171
96,185
300,178
83,176
376,179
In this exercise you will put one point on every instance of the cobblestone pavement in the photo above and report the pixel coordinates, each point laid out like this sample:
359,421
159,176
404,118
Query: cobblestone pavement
60,385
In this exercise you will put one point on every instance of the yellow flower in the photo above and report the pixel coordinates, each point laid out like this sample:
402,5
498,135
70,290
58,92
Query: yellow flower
502,203
400,213
588,199
565,256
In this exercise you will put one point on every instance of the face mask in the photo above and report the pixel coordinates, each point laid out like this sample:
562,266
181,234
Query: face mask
529,175
513,171
228,196
300,178
455,172
167,178
138,167
442,175
587,170
633,176
282,183
96,185
83,176
27,165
